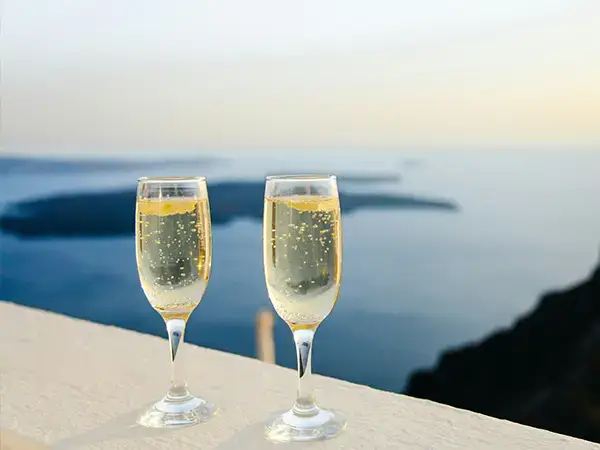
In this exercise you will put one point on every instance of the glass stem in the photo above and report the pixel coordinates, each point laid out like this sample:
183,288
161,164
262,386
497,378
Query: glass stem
178,389
305,399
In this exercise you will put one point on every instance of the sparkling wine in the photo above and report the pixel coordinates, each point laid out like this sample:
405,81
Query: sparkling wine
303,257
173,249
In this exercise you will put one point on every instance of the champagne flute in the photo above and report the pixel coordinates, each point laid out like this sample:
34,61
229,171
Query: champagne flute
174,254
302,250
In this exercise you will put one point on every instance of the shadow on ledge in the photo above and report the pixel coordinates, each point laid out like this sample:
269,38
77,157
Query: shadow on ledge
543,372
112,213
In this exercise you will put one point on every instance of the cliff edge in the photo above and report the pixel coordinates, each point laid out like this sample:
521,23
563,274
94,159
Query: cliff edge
543,372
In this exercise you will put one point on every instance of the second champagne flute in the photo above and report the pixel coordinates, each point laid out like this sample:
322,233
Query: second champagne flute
302,249
174,253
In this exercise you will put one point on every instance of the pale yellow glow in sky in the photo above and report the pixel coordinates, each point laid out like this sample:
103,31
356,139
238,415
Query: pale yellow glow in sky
527,80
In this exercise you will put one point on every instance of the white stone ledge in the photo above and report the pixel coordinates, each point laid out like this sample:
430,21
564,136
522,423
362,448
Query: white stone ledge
68,383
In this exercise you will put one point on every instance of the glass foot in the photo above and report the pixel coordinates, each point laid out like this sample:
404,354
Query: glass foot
291,427
170,413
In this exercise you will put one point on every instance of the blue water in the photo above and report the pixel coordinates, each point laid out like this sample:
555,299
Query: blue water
415,281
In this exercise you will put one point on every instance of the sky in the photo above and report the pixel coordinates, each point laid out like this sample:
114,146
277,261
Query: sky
234,75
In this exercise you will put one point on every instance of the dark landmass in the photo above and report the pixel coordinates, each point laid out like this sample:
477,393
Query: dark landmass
112,213
176,167
543,372
45,166
370,179
347,178
412,162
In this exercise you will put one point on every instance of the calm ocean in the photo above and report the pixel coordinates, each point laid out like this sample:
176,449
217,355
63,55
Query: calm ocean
415,280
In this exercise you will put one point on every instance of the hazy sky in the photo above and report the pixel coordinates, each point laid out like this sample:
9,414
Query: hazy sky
234,74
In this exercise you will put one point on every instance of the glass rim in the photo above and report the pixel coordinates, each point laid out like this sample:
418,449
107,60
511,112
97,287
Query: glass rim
303,177
170,179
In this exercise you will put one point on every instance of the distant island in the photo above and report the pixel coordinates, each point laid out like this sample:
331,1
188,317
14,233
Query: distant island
543,372
112,213
45,166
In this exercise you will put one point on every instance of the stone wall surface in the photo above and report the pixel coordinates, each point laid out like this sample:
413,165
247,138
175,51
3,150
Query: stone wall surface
67,383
